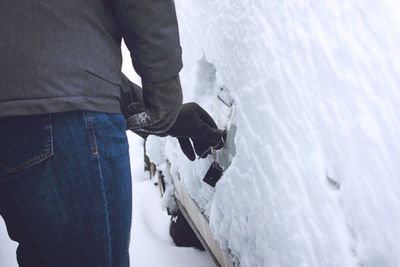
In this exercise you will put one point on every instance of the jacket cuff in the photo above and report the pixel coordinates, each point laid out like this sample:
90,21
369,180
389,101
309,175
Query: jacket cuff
162,75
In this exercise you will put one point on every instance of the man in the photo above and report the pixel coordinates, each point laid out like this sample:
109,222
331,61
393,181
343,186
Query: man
65,187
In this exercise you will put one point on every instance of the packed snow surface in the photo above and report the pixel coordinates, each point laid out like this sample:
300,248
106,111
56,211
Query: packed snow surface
312,160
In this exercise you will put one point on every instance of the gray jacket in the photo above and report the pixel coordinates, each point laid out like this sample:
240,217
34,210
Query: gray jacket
62,55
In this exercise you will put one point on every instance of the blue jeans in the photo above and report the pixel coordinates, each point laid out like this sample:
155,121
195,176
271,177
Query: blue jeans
65,188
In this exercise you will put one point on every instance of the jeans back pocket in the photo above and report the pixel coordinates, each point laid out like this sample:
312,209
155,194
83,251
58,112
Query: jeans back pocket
25,141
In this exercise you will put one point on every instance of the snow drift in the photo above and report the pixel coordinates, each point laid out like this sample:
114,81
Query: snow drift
312,164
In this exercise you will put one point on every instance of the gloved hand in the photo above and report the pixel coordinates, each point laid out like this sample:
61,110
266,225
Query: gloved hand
194,123
155,109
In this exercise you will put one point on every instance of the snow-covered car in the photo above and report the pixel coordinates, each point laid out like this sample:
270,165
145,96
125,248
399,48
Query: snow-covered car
311,170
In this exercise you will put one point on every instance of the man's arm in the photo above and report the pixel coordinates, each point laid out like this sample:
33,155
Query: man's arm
150,31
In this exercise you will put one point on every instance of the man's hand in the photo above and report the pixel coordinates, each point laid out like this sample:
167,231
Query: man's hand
155,110
194,123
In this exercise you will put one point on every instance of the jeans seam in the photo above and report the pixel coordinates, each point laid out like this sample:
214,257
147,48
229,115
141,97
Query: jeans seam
47,126
109,247
92,136
101,178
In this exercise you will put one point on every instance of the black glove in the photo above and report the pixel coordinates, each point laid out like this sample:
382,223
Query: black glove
154,110
195,123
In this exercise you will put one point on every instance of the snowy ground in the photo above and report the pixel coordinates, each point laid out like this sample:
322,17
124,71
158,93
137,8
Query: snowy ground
151,245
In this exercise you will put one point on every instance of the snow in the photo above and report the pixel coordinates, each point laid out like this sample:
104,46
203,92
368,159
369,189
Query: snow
314,147
151,245
7,247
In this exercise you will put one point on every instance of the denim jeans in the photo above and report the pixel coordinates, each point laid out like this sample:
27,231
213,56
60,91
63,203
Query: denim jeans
65,188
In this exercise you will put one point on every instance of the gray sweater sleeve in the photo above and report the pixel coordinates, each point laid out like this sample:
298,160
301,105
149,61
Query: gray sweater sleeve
150,31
